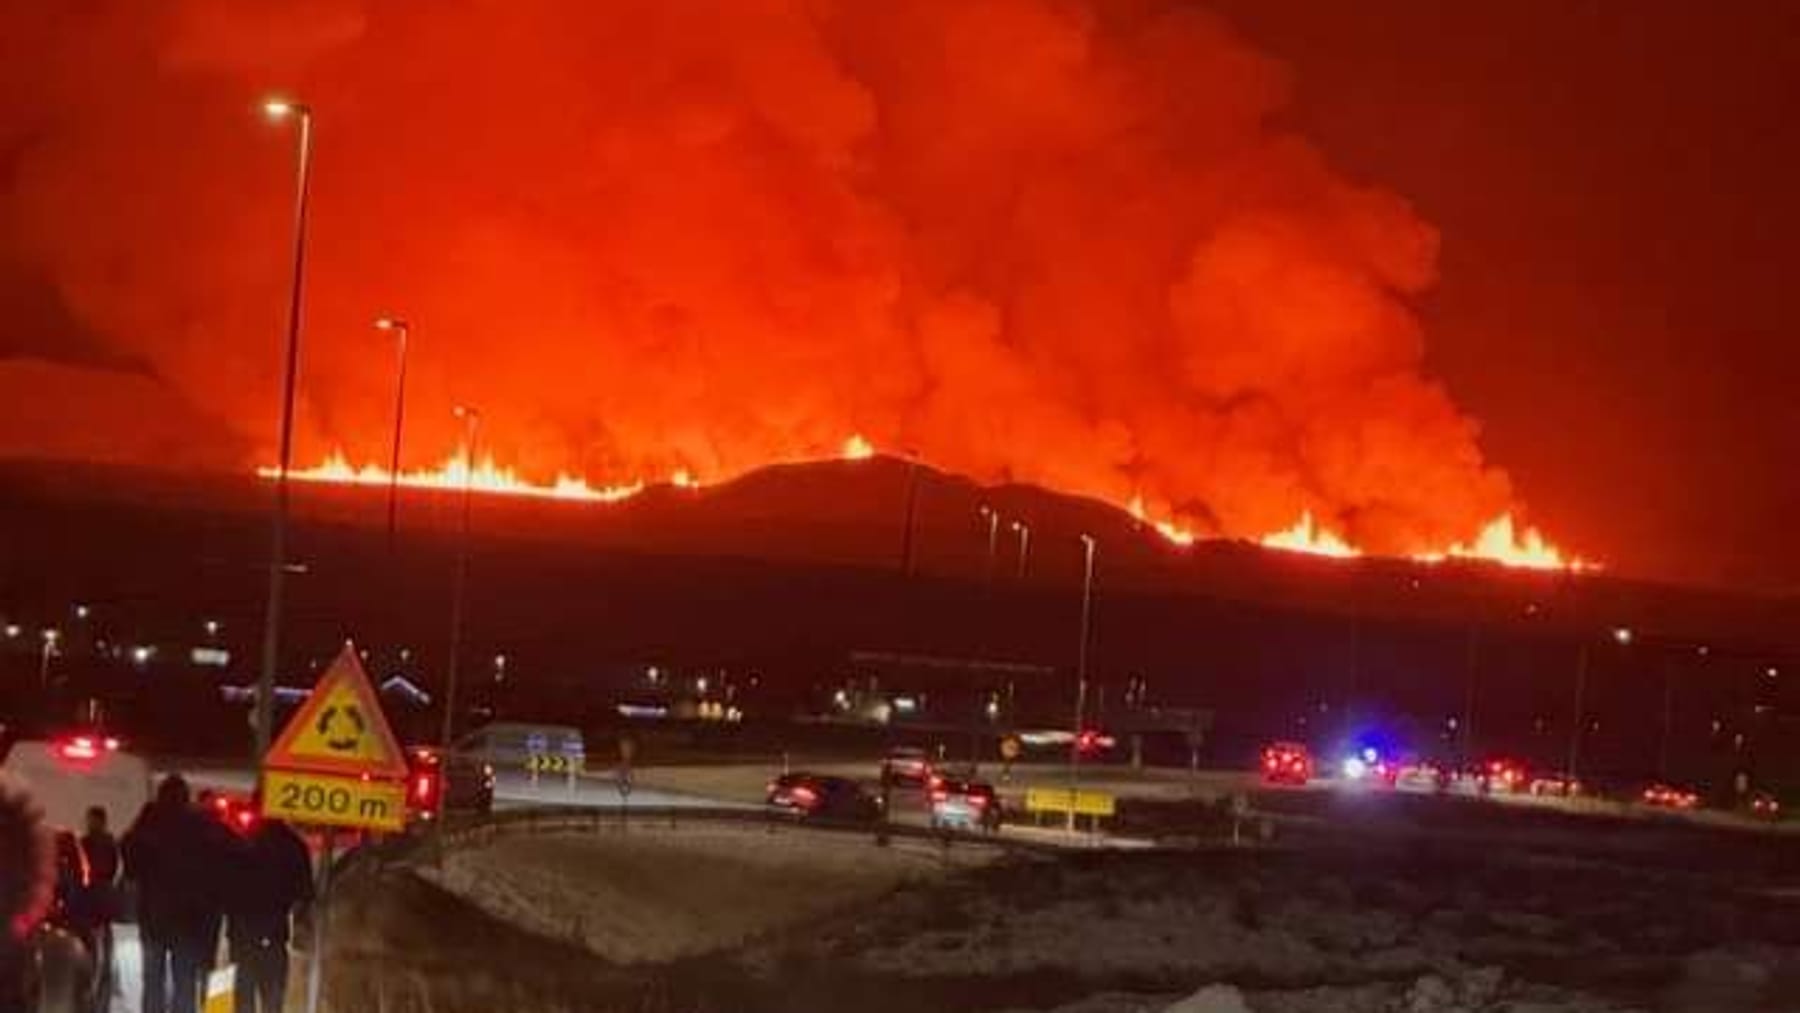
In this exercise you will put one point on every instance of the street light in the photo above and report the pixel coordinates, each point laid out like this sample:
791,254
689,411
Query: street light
280,110
51,636
1621,635
401,330
992,517
1087,601
1024,532
458,588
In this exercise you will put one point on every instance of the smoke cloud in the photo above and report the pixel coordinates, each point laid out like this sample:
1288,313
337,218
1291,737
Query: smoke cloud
1066,242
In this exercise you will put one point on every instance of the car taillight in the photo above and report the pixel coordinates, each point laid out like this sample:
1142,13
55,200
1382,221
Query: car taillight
81,747
424,789
939,796
803,795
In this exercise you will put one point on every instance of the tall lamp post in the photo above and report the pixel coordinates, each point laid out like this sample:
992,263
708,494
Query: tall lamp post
1081,659
992,517
51,636
912,505
1024,532
459,583
280,110
401,331
1623,636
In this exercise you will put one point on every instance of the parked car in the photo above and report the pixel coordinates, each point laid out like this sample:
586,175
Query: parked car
1555,785
906,767
1286,763
1423,777
1665,796
1765,806
964,803
439,783
818,796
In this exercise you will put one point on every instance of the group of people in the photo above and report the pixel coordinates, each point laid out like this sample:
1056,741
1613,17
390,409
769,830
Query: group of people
194,878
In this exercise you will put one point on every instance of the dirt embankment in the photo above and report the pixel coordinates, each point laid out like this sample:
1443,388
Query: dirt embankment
801,922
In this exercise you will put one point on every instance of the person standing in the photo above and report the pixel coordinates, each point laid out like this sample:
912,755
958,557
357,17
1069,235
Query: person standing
273,881
101,852
174,853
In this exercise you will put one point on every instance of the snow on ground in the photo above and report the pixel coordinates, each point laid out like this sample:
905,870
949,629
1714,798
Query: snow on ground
1305,936
652,894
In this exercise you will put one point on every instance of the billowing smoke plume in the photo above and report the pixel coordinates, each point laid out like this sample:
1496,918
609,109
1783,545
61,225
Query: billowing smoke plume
1055,241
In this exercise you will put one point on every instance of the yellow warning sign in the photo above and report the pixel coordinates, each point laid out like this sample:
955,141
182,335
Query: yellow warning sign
1062,800
334,800
340,729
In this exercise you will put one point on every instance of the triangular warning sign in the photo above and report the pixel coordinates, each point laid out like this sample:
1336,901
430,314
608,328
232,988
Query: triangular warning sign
340,728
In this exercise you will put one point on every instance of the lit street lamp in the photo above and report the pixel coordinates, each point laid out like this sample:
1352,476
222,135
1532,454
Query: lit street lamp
992,517
401,331
51,636
459,584
1621,635
279,109
1087,601
1024,533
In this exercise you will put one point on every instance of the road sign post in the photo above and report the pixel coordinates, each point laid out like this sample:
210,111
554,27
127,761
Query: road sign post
335,765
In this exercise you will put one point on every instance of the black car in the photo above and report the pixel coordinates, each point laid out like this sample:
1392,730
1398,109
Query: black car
818,796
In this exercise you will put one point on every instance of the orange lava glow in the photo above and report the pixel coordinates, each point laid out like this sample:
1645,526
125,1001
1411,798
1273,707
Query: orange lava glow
1306,536
1502,541
454,475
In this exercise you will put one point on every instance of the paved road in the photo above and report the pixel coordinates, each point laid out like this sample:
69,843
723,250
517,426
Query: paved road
511,790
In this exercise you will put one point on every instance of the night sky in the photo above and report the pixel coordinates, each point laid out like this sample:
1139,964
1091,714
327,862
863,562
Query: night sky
1615,185
1611,185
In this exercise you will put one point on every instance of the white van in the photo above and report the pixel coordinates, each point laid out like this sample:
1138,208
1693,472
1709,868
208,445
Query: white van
65,776
517,745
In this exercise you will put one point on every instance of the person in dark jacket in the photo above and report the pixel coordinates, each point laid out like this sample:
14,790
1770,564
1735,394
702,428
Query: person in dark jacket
174,853
27,872
273,879
100,849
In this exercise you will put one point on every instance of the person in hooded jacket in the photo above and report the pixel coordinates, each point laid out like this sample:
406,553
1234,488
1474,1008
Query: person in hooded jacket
271,881
175,854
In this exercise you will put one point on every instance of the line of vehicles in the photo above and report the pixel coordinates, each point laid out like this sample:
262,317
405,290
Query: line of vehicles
1292,764
949,798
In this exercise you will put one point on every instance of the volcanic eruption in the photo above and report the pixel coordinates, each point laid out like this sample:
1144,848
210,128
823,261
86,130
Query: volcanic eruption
1060,242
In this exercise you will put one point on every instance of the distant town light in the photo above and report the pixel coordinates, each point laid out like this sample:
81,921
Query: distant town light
81,611
1623,634
13,631
142,653
212,627
1772,672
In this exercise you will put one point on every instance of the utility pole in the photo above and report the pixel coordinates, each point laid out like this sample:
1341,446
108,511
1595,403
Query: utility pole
1575,730
1467,738
1087,601
459,585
